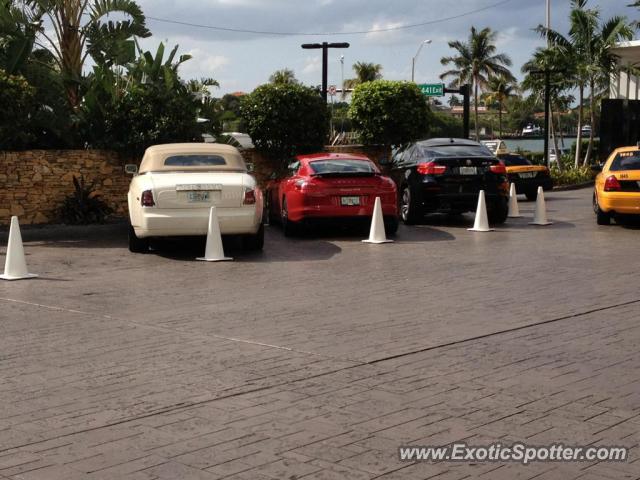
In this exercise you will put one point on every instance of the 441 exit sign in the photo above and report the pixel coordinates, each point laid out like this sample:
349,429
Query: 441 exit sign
432,89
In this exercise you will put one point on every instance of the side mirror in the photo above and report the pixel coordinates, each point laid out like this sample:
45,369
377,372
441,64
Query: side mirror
130,169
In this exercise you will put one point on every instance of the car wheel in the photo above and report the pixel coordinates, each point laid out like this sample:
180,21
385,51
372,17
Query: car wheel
602,218
408,208
531,195
498,214
391,225
137,245
288,227
254,242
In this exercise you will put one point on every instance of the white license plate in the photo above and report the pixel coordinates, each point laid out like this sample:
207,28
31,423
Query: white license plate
195,197
527,175
349,201
468,170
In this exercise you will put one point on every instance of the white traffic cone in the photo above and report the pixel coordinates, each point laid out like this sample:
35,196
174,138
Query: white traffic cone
540,215
514,210
377,233
15,266
214,251
481,223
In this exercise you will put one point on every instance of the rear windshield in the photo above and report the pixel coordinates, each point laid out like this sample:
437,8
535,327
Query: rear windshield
194,161
455,151
626,161
346,166
515,160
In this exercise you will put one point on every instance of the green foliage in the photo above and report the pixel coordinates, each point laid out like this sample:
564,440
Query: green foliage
389,112
283,76
571,176
17,98
284,120
585,144
444,125
84,206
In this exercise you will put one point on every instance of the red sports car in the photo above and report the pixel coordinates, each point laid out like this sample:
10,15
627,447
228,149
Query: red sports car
331,186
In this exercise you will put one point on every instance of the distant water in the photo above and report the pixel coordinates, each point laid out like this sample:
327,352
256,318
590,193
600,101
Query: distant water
537,144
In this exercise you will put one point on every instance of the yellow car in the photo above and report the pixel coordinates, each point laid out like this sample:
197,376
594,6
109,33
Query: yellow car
526,176
617,189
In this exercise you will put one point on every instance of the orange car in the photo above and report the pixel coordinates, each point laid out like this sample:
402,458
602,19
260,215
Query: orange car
617,188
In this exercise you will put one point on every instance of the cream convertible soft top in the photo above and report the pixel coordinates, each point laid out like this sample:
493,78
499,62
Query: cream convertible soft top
154,157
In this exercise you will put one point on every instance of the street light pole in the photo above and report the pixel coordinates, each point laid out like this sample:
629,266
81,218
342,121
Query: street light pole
325,46
413,60
342,75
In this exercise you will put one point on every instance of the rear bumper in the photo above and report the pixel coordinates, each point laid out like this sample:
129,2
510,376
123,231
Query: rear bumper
154,222
458,202
304,207
620,202
531,184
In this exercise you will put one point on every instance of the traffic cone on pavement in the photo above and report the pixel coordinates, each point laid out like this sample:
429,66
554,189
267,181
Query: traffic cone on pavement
214,251
540,215
481,223
514,211
15,266
377,233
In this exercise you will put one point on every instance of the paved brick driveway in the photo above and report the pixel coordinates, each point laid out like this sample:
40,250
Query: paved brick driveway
318,358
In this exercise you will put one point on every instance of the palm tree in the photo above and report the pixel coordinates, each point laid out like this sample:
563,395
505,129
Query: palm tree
476,61
365,72
499,89
588,49
283,77
80,29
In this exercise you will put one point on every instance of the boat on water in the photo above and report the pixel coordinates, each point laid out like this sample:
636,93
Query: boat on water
531,130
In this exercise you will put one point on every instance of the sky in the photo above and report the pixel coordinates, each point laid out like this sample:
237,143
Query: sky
242,61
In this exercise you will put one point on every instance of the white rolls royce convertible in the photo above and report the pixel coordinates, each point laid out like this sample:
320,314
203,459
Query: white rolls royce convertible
176,186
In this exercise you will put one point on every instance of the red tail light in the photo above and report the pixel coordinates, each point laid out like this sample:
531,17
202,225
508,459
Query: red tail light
498,168
431,168
611,184
147,199
249,197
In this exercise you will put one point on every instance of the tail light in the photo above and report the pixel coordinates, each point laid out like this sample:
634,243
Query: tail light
249,197
431,168
498,168
611,184
146,200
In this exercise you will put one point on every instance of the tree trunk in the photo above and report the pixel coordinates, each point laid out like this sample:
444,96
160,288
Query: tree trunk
475,109
592,116
579,133
500,120
555,140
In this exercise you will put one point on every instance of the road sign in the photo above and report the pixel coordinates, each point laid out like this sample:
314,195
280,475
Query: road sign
332,90
432,89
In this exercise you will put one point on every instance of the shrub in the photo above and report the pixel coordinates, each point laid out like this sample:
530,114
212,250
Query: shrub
285,119
389,112
84,206
571,176
444,125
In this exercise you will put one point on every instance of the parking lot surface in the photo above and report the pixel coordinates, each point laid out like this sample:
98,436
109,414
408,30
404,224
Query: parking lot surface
319,357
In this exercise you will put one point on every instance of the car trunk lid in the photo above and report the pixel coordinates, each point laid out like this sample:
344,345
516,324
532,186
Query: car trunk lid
198,190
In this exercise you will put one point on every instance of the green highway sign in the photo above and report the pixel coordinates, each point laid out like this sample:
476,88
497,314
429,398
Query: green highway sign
432,89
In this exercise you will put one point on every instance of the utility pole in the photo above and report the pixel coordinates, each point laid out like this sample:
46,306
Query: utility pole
325,46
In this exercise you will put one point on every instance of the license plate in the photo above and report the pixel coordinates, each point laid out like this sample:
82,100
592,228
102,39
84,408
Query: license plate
349,201
468,171
194,197
527,175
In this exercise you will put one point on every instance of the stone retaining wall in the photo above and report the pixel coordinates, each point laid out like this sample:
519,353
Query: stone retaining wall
34,183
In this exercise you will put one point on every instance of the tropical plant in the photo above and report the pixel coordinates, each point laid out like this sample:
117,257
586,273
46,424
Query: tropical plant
475,61
284,76
588,46
365,72
285,119
18,106
84,206
80,28
499,89
389,112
